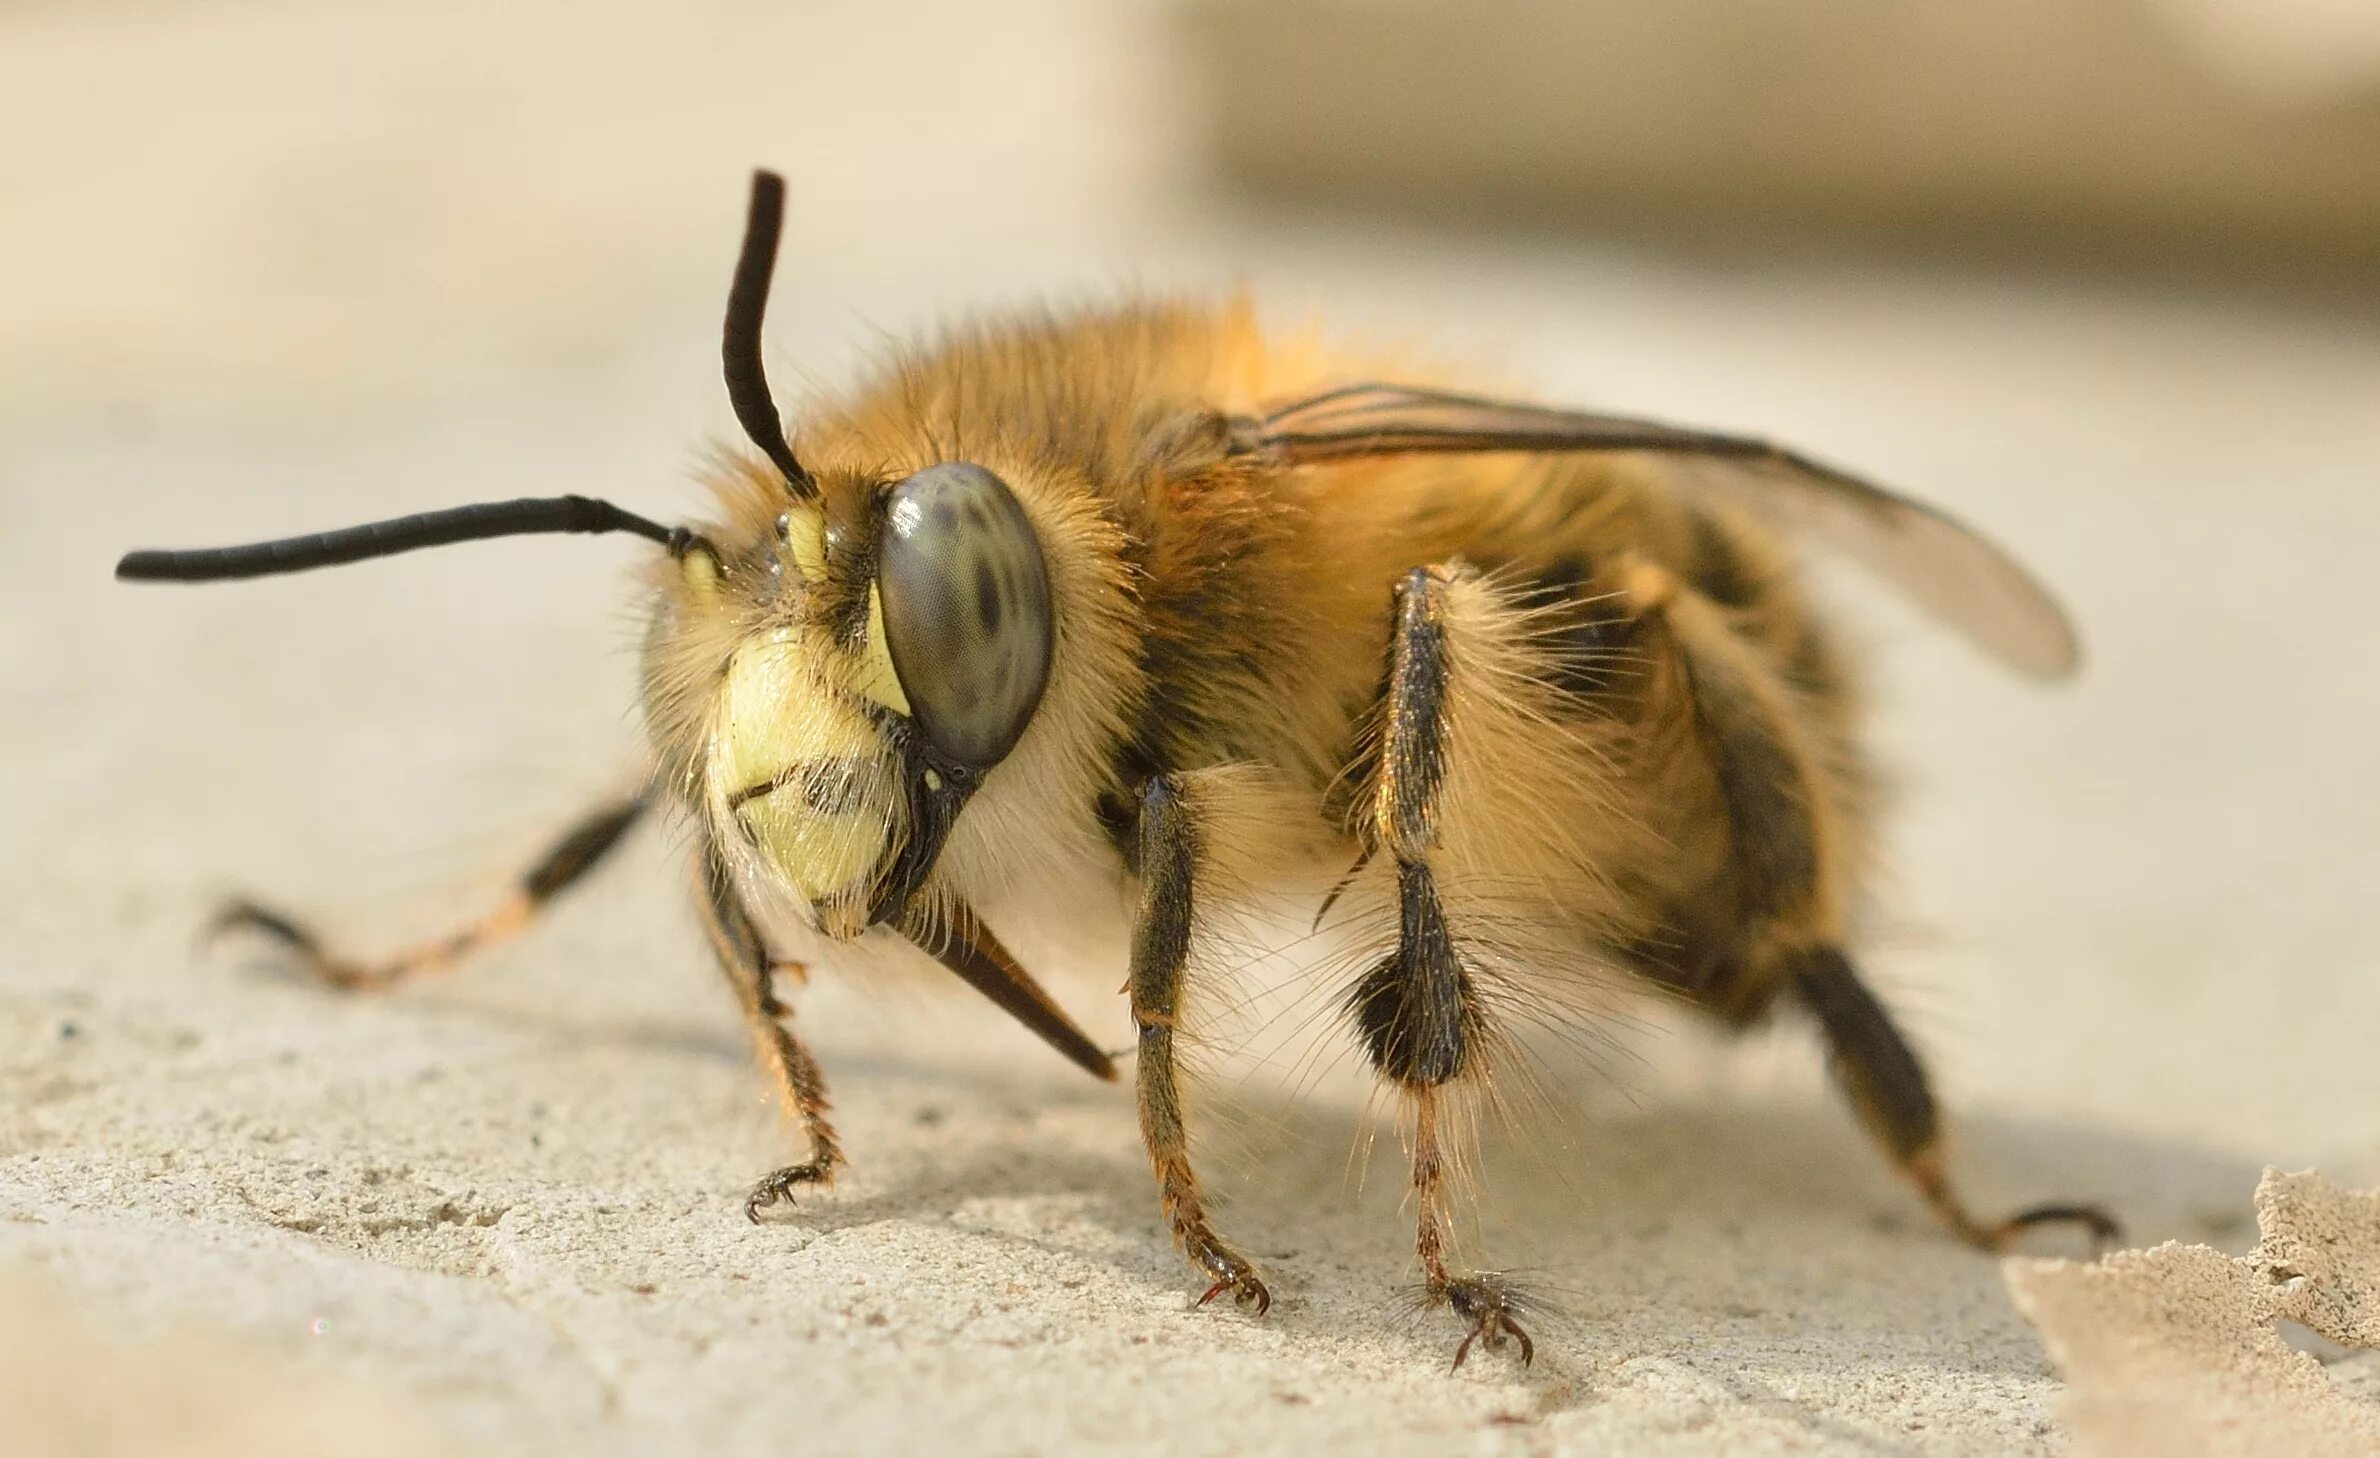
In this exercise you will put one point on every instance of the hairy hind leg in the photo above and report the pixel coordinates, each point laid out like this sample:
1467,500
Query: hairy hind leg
1786,909
1419,1011
568,859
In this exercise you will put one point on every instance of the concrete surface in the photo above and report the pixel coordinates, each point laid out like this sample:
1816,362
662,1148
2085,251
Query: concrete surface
271,268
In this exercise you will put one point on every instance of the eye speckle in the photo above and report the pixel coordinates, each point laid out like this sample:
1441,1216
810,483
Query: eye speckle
987,600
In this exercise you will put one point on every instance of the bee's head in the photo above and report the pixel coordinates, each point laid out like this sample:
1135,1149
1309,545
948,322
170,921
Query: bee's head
829,688
858,667
830,676
833,688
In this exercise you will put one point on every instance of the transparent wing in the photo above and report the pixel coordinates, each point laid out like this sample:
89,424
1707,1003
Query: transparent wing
1948,569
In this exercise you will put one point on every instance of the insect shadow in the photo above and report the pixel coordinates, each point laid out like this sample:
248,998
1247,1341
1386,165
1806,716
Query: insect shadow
1699,1223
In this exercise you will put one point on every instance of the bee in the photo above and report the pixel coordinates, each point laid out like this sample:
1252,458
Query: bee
1123,611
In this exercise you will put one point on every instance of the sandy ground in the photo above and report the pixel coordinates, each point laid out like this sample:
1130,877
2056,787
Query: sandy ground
2181,1351
273,269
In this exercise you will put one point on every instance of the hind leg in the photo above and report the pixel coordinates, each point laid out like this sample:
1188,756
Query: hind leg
1419,1012
1786,905
1889,1090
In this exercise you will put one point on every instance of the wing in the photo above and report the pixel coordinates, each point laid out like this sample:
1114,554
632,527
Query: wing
1946,568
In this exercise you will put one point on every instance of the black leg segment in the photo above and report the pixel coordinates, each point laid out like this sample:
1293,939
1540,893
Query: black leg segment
1888,1088
1166,851
1419,1010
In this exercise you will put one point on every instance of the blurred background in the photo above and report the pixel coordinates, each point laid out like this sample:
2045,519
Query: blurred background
247,208
2102,276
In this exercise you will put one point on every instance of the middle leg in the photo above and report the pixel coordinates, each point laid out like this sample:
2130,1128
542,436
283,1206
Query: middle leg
1167,858
563,865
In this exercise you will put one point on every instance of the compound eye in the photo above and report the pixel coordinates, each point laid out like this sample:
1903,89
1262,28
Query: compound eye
966,610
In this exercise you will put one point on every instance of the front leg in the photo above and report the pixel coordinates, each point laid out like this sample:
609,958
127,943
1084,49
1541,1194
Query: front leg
1168,856
801,1087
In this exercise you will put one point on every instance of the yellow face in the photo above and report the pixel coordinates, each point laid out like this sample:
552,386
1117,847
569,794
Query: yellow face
780,677
804,775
